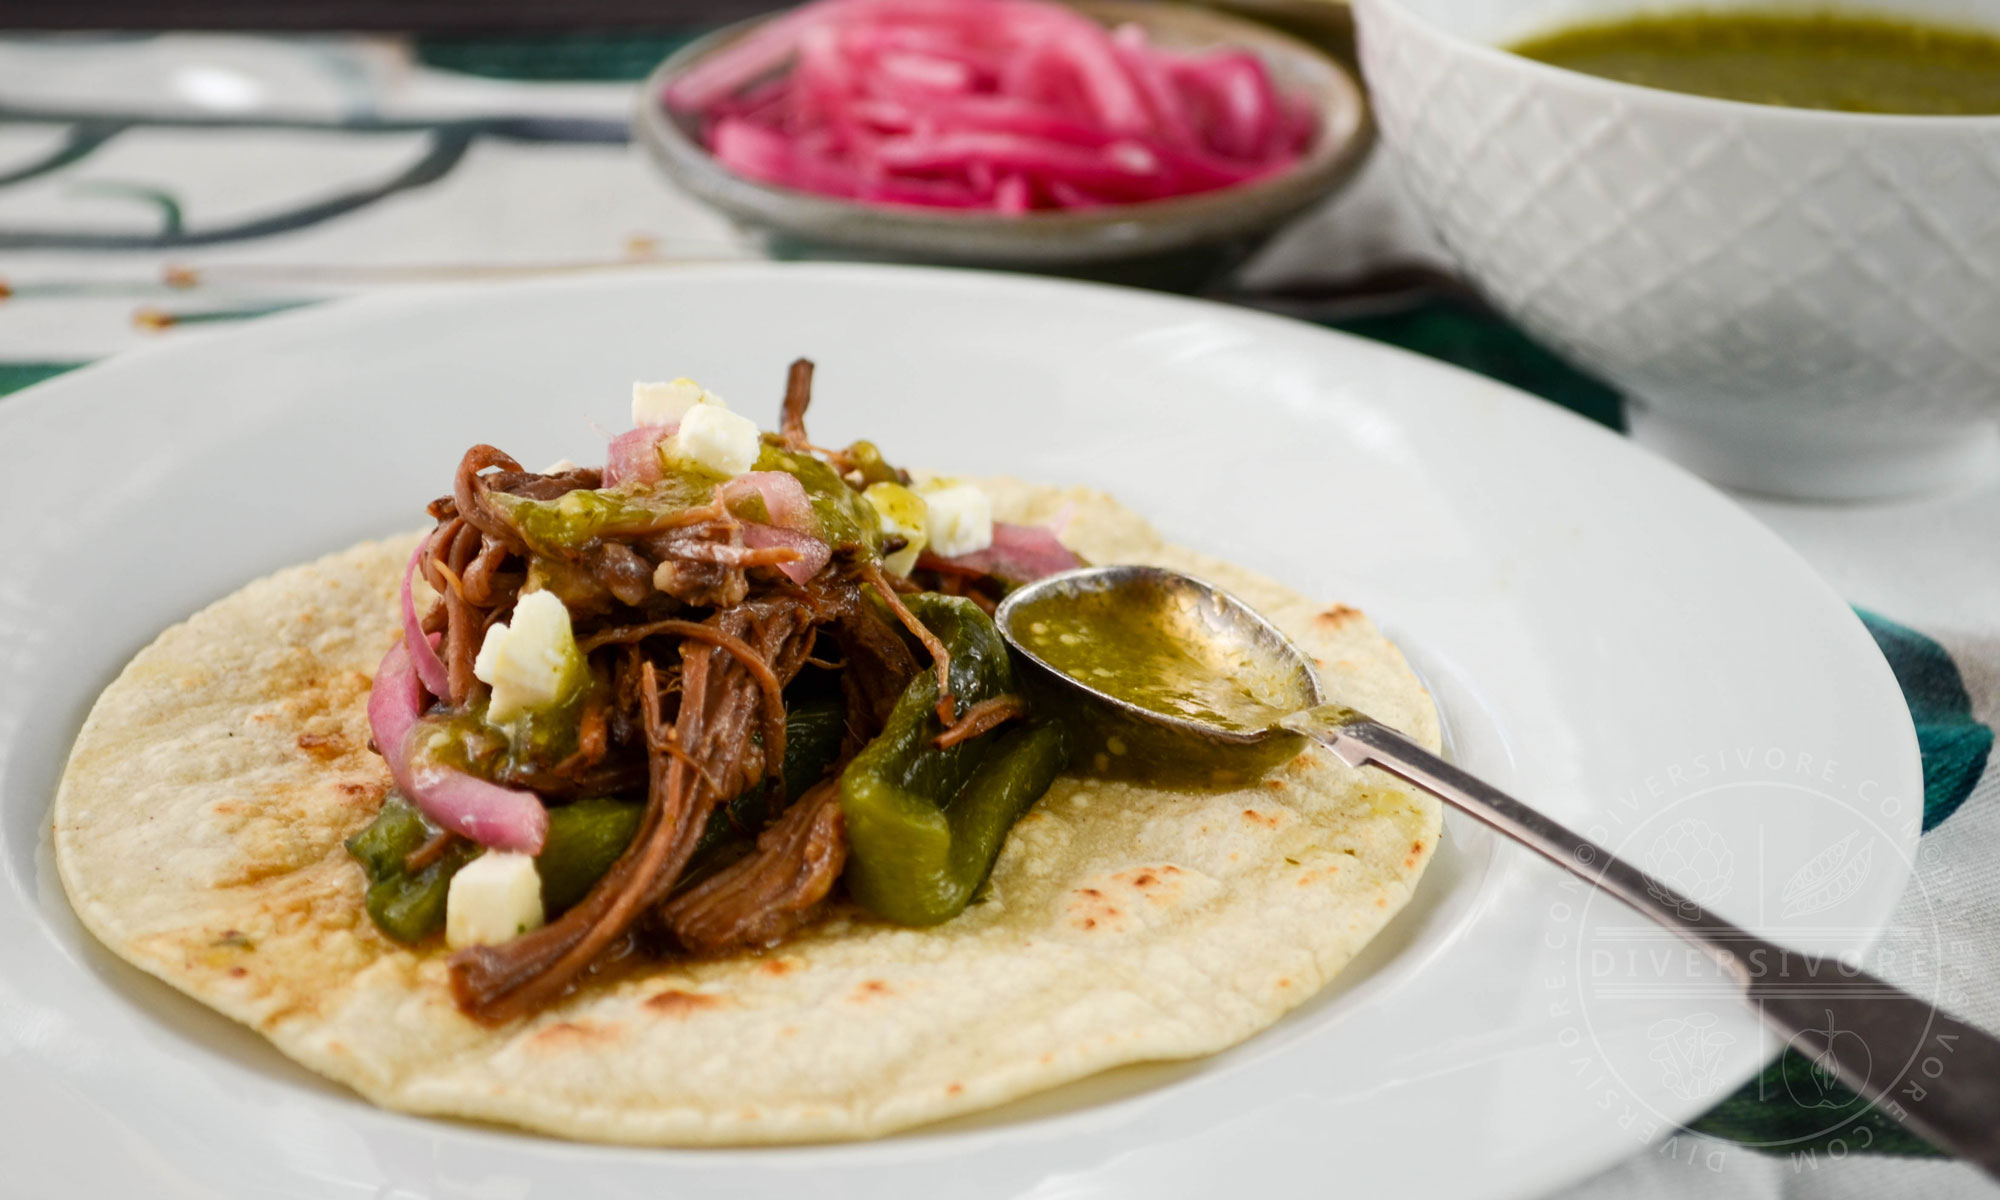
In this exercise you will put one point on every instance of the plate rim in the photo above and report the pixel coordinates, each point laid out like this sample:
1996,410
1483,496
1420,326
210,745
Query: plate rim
41,399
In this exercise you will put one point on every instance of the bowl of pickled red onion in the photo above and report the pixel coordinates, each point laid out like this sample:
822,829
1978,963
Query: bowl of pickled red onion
1146,142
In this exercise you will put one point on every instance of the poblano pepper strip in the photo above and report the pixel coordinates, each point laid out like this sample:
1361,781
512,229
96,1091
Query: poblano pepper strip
584,839
569,523
925,825
398,828
405,905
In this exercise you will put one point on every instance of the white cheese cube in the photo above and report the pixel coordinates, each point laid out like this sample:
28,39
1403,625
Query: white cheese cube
530,661
904,514
716,440
665,403
959,517
558,467
493,898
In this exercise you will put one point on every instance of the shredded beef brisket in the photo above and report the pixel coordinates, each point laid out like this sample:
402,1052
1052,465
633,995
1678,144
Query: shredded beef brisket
692,639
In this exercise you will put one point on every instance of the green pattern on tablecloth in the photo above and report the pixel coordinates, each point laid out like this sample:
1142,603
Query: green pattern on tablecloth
16,375
1478,341
1764,1115
583,57
1955,747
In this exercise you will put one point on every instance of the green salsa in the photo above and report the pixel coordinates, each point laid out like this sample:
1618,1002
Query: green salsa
1089,637
1805,60
469,741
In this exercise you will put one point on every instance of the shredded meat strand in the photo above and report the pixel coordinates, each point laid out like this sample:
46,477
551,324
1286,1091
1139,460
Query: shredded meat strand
980,718
702,560
480,574
726,555
545,487
428,853
880,666
468,491
779,886
754,663
798,395
622,571
947,704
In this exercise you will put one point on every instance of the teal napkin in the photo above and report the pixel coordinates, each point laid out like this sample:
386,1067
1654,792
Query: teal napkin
583,56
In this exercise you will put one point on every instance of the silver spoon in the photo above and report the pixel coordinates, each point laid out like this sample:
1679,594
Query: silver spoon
1240,690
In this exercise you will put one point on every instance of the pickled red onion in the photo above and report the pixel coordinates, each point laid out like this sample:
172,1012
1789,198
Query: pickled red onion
395,701
784,497
422,650
634,456
489,814
1022,553
813,554
493,816
1000,105
792,525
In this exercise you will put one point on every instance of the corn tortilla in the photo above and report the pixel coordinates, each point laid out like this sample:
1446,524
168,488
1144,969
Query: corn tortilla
198,833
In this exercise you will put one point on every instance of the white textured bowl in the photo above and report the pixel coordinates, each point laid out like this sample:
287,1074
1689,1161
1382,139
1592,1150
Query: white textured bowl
1798,302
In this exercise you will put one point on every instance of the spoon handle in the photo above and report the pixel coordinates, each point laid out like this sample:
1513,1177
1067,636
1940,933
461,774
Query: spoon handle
1920,1065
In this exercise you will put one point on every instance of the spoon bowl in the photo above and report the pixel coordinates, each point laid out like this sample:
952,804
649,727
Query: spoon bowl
1157,672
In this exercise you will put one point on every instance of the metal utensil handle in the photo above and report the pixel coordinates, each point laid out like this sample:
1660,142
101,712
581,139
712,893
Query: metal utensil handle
1921,1065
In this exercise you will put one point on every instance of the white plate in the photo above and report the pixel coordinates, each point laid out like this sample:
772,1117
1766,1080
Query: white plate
1605,635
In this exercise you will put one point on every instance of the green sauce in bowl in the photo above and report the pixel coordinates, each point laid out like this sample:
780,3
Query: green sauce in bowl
1822,60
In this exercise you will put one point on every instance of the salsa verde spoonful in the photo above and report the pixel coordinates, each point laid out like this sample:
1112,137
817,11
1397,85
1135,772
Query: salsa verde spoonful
1161,674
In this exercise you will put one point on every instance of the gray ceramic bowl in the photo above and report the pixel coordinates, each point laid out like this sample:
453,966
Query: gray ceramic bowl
1173,242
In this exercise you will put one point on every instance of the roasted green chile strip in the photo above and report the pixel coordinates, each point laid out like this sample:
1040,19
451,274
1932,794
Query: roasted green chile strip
408,907
568,524
925,825
813,732
585,838
398,828
403,905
